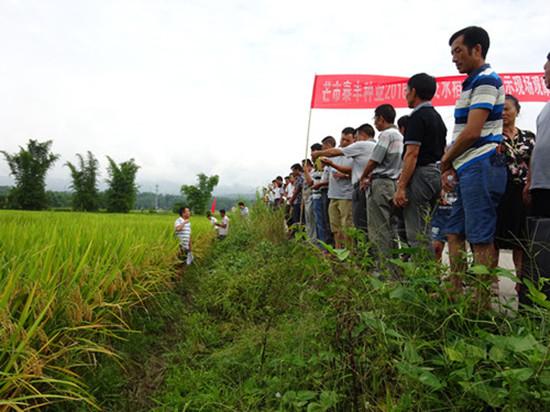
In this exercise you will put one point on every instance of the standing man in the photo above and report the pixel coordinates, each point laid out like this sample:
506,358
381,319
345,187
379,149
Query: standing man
359,153
419,186
183,233
224,225
296,200
471,163
537,190
340,191
381,175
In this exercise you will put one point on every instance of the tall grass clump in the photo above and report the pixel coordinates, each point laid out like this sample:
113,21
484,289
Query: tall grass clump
66,282
272,323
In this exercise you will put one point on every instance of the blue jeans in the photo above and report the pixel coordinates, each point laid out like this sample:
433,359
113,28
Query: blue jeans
318,211
480,187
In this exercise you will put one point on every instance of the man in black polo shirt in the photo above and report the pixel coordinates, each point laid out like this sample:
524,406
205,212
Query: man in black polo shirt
419,186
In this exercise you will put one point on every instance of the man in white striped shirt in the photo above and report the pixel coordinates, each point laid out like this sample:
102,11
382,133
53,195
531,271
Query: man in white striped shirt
183,232
471,164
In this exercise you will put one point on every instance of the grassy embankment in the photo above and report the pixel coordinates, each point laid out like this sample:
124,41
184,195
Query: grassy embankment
264,323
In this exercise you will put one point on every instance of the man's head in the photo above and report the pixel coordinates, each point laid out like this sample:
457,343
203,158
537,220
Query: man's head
241,205
420,88
296,169
346,139
222,212
469,48
307,163
316,146
547,72
384,116
348,131
279,180
184,212
328,142
208,214
364,132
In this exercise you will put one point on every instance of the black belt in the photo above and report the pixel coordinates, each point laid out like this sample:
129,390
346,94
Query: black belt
380,176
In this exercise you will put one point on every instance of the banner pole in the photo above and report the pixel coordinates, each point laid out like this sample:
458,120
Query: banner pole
303,206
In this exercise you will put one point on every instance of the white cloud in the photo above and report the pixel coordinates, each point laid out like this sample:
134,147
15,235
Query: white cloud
220,87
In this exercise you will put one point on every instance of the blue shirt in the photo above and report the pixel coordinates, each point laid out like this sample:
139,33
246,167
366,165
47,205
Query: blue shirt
482,89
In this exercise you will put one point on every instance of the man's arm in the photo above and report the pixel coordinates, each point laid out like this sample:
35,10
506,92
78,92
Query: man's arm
371,165
467,138
332,152
342,169
409,164
308,178
180,226
319,185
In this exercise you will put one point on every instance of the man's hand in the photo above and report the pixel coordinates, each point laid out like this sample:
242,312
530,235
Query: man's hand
327,161
364,183
400,198
448,178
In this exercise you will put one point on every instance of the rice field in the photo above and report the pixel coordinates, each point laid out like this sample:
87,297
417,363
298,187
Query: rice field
66,282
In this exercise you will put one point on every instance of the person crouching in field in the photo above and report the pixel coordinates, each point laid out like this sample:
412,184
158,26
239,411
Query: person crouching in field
183,233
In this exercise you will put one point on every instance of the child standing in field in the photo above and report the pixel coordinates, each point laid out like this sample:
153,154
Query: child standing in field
183,233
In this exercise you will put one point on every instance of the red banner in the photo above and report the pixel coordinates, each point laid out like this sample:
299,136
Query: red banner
364,91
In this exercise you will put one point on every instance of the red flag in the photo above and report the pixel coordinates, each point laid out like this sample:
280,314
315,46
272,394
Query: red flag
364,91
213,210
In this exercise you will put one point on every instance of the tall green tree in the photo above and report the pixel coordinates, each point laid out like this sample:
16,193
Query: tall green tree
122,191
199,195
29,168
86,195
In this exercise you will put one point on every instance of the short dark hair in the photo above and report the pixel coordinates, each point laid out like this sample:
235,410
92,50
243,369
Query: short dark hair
279,178
182,209
330,141
316,146
402,121
222,211
208,213
308,161
367,129
241,204
348,130
424,85
296,166
386,111
473,35
514,100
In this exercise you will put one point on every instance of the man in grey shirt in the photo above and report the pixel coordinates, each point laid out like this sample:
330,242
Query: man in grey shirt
340,189
380,175
359,152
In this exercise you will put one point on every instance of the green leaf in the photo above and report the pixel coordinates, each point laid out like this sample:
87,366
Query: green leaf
454,355
493,396
479,270
341,254
497,354
518,374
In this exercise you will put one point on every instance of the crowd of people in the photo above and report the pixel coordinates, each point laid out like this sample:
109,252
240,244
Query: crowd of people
406,183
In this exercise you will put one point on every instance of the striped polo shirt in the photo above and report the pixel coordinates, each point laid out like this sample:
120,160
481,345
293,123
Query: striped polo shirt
184,235
482,89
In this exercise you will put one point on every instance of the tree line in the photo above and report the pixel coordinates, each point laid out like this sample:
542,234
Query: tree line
30,165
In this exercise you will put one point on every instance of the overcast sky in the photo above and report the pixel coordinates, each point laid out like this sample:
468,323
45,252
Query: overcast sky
222,86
